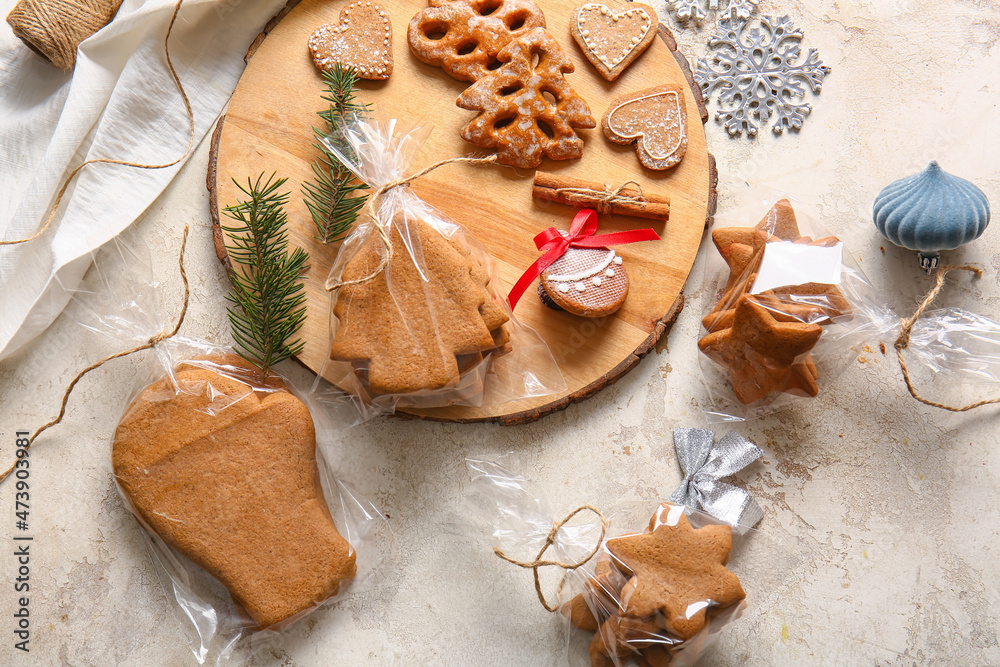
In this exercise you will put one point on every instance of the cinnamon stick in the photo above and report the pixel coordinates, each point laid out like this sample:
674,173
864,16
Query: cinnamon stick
627,199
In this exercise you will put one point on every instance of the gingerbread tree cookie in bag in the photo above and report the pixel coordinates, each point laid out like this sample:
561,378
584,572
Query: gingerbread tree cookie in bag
416,319
527,108
391,324
463,37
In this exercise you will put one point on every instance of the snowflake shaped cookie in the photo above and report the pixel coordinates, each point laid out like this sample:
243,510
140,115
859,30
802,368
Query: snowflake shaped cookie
758,73
697,10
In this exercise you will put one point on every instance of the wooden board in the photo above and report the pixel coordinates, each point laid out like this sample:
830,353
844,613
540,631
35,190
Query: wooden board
268,128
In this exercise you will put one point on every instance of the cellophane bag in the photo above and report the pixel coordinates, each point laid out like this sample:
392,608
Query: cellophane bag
788,304
957,346
219,464
655,591
419,319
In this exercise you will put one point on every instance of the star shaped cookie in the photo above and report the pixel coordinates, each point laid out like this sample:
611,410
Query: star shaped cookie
763,340
763,353
743,250
677,574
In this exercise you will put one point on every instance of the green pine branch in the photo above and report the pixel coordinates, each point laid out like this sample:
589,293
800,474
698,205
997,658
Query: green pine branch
333,197
268,298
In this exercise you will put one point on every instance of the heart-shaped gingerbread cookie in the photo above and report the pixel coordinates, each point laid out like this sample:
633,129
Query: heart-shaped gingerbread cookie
225,471
613,37
655,120
362,40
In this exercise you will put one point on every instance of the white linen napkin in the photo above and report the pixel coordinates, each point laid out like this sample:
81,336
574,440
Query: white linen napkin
118,103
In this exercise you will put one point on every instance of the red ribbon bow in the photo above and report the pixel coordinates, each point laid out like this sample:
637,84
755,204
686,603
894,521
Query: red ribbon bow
581,235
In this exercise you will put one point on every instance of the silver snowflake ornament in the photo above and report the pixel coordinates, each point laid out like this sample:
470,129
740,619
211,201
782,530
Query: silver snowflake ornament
697,10
758,74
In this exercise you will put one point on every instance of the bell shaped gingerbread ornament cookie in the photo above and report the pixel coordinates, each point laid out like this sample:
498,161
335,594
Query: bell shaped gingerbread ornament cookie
930,212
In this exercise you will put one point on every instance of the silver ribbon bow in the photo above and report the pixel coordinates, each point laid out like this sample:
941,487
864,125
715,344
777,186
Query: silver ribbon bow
704,464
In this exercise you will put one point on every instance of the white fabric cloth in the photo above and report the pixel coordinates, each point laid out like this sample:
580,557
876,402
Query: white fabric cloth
118,103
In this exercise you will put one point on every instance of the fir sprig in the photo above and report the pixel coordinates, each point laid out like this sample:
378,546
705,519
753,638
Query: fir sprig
332,198
268,299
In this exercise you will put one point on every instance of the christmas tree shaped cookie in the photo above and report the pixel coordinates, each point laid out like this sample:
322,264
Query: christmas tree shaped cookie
415,328
527,110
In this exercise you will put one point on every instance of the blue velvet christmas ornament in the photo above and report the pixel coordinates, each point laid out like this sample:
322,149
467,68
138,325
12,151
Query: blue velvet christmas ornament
930,212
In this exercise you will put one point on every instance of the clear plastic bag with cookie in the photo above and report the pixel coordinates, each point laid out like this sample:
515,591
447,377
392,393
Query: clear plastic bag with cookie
635,583
418,319
787,312
232,472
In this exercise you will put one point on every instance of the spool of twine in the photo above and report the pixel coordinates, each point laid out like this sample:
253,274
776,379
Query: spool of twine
54,28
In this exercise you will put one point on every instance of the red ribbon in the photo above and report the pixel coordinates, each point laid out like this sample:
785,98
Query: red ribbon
581,235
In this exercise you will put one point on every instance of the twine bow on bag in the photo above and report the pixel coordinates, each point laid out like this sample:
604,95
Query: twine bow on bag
906,330
381,227
550,541
704,464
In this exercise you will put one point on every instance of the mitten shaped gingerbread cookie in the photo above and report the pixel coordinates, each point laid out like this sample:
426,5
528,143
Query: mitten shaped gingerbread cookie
415,328
527,109
222,469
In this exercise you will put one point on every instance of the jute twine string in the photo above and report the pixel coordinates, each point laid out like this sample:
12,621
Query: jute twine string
55,28
383,229
152,342
906,329
533,565
138,165
609,196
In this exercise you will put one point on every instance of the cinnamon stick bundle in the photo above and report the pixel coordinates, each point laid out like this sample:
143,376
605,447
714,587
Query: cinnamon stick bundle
627,199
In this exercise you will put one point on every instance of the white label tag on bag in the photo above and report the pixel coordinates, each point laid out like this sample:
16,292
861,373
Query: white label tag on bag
788,263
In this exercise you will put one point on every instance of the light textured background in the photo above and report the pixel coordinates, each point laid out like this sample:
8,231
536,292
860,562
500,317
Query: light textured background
879,545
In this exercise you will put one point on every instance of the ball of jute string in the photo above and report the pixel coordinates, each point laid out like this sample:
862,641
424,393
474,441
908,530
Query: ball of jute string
54,208
550,540
55,28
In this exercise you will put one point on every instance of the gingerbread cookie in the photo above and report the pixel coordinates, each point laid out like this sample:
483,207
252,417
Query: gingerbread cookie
612,37
763,353
602,593
589,282
527,110
743,250
362,40
464,37
409,329
655,120
678,574
223,469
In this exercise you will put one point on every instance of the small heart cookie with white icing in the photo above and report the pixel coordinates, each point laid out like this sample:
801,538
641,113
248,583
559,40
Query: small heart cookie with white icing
612,37
655,120
589,282
362,40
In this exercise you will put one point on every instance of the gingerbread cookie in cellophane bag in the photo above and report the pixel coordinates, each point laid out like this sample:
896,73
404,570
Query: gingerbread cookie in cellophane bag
640,583
417,318
788,311
221,459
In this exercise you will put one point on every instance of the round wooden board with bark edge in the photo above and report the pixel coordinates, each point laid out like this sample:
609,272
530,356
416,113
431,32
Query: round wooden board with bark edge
268,128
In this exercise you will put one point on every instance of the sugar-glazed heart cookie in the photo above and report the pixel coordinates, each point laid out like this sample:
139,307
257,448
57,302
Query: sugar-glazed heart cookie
613,37
362,40
653,118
